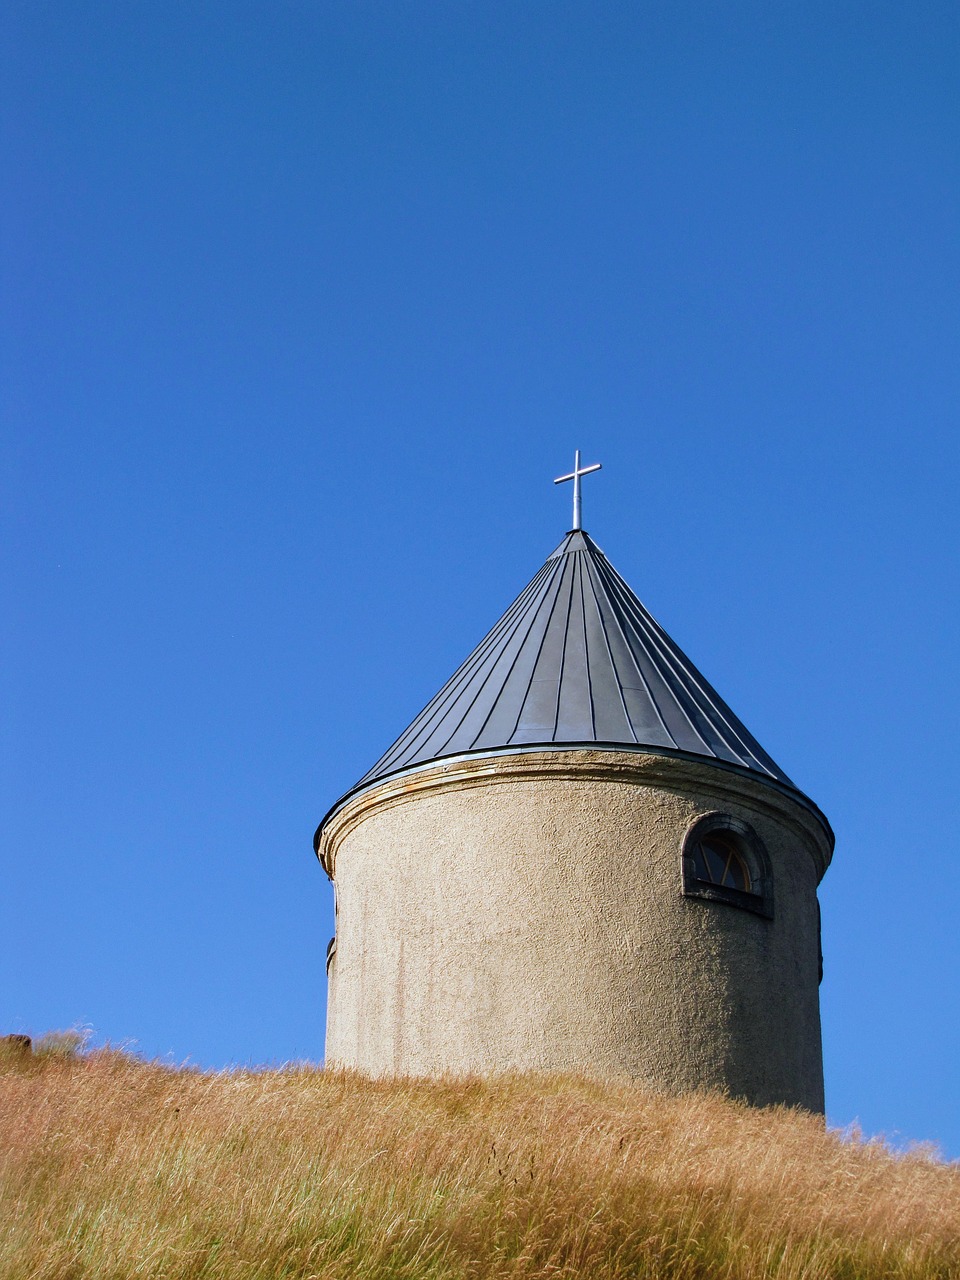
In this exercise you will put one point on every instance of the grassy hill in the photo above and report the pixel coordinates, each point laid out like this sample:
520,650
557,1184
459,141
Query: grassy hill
111,1167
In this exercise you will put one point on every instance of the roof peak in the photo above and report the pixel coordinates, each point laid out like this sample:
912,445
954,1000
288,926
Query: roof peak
575,540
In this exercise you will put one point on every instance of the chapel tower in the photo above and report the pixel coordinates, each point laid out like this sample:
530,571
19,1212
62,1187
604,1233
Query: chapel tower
577,858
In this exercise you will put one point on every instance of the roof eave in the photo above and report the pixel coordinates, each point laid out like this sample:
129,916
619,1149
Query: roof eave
630,748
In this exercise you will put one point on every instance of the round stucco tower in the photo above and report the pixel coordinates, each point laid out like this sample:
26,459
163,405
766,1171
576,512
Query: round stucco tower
577,858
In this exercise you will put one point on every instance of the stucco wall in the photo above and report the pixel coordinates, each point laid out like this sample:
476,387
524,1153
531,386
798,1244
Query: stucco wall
525,911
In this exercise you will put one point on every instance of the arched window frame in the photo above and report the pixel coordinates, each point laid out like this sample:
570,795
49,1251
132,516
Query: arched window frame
759,899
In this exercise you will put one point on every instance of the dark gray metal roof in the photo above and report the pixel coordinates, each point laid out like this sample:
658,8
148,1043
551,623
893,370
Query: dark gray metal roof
577,660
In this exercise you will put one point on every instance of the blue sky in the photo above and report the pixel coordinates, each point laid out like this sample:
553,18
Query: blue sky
305,305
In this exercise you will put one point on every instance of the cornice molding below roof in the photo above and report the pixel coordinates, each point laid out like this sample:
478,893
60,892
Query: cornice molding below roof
577,661
598,759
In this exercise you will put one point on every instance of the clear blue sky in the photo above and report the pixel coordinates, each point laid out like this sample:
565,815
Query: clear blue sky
305,305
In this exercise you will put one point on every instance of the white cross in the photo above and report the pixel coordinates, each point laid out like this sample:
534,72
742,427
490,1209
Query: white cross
575,475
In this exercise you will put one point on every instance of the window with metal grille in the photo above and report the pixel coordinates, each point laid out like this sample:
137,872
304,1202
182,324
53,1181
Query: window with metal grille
725,861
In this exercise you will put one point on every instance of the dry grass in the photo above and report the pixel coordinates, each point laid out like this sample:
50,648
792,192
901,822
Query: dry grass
115,1168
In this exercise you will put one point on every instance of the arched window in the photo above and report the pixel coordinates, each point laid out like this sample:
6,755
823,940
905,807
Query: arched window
718,861
725,861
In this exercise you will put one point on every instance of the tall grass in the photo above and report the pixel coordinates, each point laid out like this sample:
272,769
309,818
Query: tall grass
110,1168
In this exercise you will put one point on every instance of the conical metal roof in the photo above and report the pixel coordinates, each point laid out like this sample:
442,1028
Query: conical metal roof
577,660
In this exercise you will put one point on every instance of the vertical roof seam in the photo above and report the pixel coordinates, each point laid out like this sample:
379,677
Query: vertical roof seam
563,656
618,604
615,612
687,675
535,613
558,577
581,558
423,723
480,687
595,579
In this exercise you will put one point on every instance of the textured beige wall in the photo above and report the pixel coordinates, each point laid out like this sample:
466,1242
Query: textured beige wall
525,911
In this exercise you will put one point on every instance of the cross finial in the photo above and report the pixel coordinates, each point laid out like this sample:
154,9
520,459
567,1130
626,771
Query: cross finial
575,475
